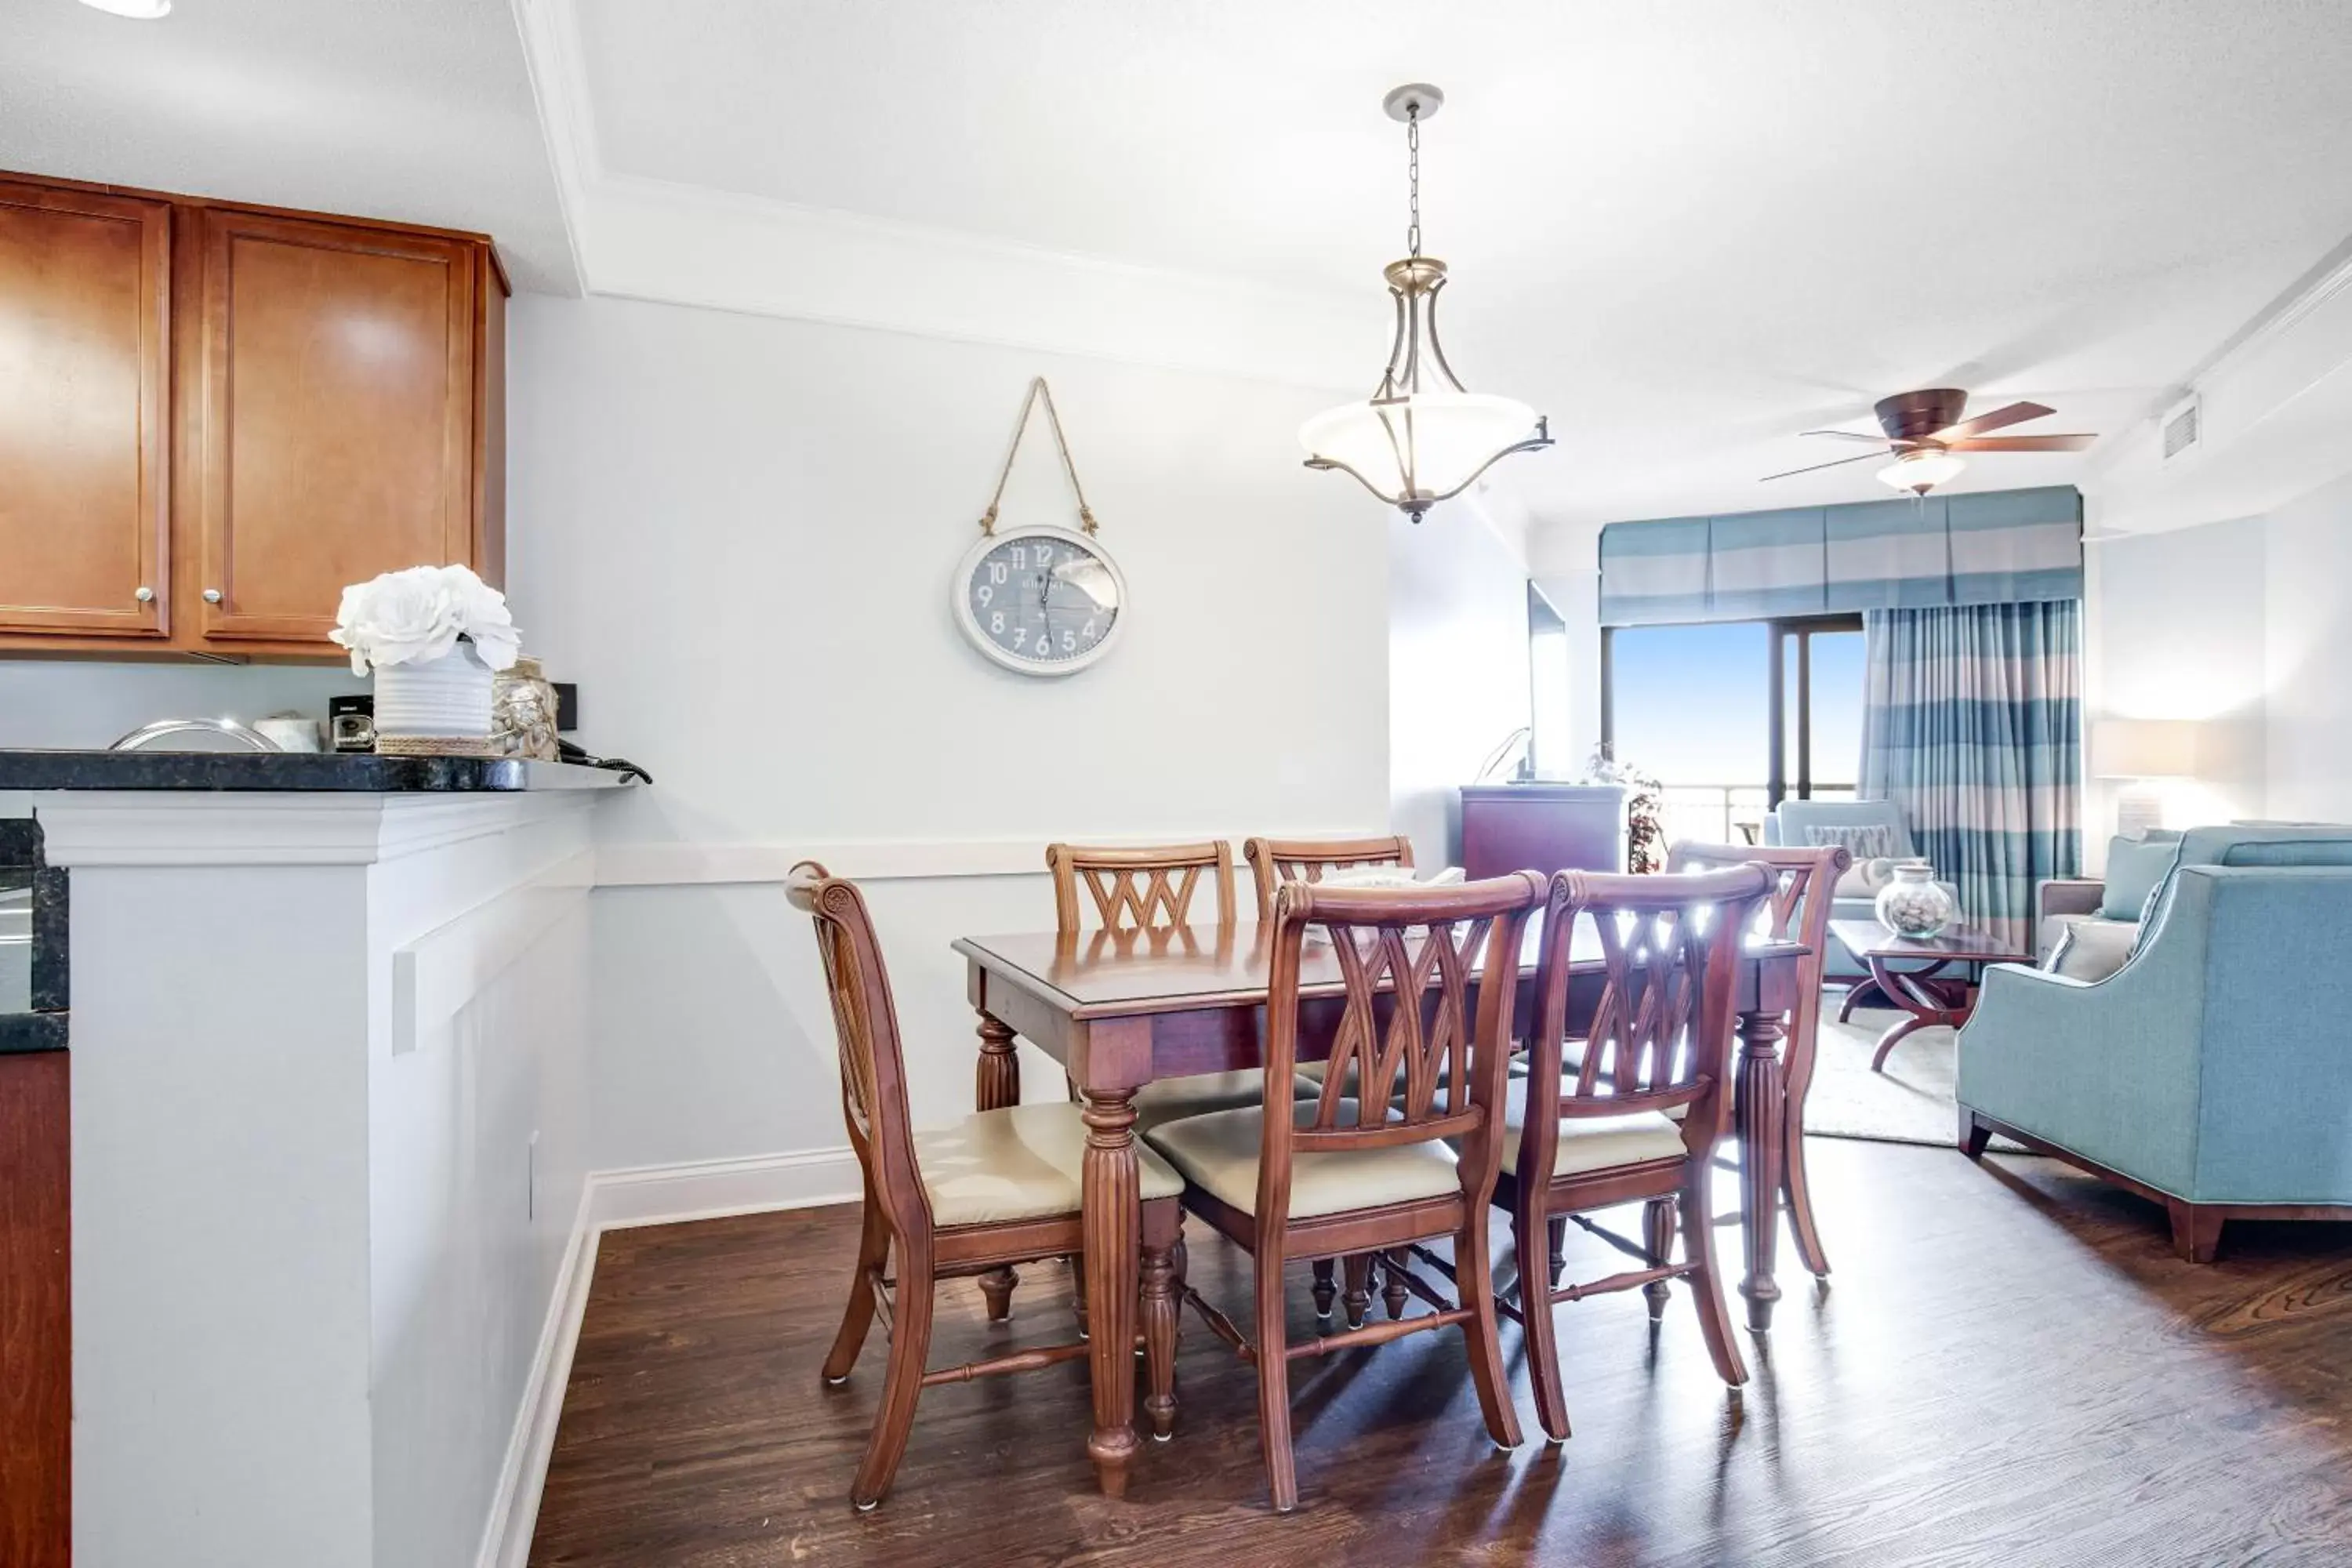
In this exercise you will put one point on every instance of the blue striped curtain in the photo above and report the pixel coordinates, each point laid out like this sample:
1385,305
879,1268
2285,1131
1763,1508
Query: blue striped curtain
1972,721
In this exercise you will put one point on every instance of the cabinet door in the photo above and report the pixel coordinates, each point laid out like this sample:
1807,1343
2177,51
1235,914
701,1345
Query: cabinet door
338,409
85,445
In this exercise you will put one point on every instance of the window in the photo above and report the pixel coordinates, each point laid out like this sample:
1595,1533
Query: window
1733,717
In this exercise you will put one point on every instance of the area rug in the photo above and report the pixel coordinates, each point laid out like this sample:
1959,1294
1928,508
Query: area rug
1910,1102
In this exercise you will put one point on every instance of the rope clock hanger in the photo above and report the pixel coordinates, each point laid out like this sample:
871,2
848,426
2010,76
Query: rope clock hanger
1038,599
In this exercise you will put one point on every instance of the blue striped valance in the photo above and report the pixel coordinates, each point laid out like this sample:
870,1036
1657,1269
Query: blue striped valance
1996,547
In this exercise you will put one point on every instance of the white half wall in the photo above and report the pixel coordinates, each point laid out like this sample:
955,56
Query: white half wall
737,534
1458,671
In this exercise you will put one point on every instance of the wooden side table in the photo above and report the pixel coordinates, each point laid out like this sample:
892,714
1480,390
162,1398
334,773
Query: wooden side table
1922,989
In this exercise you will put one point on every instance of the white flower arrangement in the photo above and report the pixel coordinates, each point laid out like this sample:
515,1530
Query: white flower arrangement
413,616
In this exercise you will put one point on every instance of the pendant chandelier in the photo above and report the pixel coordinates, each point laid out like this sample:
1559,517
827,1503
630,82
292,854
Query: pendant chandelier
1420,438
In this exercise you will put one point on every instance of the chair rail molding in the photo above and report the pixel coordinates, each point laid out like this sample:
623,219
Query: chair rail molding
652,864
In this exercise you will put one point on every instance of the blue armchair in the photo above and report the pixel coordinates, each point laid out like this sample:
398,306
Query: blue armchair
1786,825
2210,1074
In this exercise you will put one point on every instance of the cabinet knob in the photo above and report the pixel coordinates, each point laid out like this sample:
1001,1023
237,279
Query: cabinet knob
211,595
145,594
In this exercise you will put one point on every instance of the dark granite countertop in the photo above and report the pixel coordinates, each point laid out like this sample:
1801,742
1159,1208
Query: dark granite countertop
341,771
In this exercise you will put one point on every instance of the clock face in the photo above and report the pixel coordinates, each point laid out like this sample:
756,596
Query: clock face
1043,601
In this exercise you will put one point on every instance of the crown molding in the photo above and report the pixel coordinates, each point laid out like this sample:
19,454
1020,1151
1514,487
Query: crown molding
670,243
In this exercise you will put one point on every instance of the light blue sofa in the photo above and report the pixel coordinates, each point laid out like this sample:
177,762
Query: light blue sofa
1786,824
2212,1073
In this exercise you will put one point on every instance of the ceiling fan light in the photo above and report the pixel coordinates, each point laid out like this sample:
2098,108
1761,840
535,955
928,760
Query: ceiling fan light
137,10
1921,472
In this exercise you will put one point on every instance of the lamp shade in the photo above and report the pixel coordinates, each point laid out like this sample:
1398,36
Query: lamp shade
1421,446
1920,472
2143,748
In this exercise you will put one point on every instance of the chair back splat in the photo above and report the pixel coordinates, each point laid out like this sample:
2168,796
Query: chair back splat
1273,861
1145,888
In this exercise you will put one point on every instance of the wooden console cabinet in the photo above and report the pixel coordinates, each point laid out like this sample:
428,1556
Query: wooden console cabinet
1542,827
216,416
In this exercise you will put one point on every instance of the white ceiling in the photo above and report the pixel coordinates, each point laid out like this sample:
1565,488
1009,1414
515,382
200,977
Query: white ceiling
418,110
1686,232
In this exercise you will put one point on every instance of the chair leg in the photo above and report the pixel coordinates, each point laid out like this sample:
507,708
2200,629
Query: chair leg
1707,1285
1327,1290
2196,1230
1537,1237
1658,1240
1974,1134
873,1252
1799,1194
1162,1288
911,1343
1358,1301
1392,1291
996,1288
1077,1291
1556,1229
1474,1286
1274,1384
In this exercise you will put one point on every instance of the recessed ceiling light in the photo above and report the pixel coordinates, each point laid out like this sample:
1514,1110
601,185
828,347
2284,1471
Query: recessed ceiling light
138,10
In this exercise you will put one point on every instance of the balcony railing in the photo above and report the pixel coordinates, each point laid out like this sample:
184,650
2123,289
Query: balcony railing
1726,813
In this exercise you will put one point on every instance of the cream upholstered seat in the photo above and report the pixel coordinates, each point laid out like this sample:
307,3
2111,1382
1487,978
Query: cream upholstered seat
1219,1153
1596,1142
1169,1099
1020,1162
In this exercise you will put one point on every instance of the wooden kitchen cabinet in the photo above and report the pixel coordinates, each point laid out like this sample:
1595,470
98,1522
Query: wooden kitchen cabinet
85,443
327,403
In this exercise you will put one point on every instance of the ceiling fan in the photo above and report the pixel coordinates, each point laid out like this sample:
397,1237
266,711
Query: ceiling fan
1925,428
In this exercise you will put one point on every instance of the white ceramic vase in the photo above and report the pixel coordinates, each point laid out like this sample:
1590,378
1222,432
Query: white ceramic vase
439,707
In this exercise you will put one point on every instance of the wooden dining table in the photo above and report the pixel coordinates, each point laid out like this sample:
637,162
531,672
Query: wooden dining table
1120,1009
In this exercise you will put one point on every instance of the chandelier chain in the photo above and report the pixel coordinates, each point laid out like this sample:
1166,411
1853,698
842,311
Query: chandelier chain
1412,177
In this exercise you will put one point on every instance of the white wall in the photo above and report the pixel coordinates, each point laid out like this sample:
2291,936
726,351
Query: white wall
1458,671
2308,651
2174,629
737,534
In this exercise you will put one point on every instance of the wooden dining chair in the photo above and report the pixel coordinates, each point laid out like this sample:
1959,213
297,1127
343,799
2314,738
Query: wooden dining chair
1651,1096
1798,910
1429,979
1137,889
1273,861
997,1188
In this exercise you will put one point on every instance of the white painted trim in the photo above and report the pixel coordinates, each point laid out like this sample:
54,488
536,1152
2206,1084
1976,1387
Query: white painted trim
163,827
617,1200
436,975
522,1475
711,1189
652,864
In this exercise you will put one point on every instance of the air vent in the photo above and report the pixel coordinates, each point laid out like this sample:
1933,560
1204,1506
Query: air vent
2183,428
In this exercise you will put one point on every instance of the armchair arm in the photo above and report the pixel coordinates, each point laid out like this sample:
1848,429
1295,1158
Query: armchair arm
2107,1069
2068,896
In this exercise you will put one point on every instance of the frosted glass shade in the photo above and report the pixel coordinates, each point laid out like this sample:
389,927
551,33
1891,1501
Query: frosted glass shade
1920,472
1443,440
137,10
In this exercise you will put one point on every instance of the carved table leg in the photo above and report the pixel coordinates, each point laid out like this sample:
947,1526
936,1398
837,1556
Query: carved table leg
996,1083
1114,1221
1762,1110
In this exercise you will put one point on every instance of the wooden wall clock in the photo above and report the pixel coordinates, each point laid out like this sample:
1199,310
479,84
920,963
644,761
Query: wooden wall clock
1038,599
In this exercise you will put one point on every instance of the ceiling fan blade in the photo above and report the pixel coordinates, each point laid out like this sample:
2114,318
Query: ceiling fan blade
1874,441
1817,467
2022,444
2015,414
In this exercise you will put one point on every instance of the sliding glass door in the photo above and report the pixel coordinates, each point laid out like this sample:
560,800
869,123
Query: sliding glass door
1733,717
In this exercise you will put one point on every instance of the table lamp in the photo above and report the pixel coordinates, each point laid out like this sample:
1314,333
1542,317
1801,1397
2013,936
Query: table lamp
2141,751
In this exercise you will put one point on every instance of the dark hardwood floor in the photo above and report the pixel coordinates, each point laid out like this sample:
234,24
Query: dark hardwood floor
2010,1367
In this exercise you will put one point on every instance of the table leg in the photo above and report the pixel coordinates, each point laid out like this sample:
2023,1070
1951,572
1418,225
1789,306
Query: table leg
1113,1229
996,1083
1928,996
1762,1110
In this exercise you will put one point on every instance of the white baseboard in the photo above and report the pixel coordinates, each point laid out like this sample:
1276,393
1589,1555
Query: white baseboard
514,1507
707,1189
615,1200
